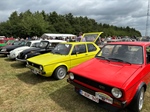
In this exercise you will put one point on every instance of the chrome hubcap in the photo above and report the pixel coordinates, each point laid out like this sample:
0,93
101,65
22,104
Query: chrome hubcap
141,100
61,73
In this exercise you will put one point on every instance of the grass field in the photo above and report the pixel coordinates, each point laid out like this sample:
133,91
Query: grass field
22,91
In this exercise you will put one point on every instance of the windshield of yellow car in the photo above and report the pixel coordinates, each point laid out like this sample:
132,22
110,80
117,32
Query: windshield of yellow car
62,49
122,53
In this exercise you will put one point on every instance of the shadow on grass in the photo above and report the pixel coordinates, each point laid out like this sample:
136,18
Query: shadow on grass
3,55
30,78
8,59
71,101
18,65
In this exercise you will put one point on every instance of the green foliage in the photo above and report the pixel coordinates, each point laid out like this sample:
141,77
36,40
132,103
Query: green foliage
35,24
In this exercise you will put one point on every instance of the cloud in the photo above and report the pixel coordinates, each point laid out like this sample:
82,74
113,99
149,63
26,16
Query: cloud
132,13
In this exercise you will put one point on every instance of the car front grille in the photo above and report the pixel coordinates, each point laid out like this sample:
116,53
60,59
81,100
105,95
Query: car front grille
34,65
93,83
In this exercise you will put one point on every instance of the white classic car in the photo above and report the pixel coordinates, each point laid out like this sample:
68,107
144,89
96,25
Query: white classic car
14,53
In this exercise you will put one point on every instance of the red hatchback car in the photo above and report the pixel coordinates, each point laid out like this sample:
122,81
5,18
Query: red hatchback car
117,77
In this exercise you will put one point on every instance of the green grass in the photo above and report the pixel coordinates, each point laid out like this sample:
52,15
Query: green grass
22,91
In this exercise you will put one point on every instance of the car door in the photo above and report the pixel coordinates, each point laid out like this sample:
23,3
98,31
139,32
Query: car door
78,55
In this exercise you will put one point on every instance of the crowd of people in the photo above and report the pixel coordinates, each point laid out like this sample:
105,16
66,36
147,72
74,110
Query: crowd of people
78,38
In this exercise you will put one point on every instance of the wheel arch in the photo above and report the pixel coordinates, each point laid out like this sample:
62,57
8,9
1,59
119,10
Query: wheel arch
59,66
137,92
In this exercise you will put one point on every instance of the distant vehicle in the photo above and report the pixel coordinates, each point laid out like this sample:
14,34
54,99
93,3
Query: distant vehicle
57,36
145,39
44,47
14,53
6,41
5,50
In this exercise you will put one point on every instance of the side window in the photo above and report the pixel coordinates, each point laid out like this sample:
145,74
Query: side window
78,49
91,47
81,48
36,44
148,54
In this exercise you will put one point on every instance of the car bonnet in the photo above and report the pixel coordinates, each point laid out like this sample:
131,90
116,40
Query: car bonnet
48,58
114,74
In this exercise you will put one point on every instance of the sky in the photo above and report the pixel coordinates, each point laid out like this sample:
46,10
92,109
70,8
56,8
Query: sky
121,13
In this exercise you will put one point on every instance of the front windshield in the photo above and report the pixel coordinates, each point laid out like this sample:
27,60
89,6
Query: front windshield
90,37
16,42
22,43
122,53
43,44
62,49
28,44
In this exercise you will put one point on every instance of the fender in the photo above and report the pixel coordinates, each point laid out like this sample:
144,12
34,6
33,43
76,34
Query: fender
137,92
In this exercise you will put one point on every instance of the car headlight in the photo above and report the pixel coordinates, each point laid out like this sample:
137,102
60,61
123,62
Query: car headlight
3,49
71,76
116,93
41,68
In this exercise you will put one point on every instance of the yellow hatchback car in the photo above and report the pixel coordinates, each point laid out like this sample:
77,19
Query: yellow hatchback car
62,58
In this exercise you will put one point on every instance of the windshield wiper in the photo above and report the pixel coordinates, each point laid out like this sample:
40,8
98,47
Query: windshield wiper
56,52
119,60
102,57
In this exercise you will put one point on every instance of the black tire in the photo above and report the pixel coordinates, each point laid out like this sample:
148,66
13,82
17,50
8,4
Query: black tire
137,103
60,72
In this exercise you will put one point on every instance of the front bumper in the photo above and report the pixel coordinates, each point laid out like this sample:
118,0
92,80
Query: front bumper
35,70
11,56
121,104
22,60
4,52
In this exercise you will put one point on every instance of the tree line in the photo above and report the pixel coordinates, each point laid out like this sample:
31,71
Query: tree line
28,24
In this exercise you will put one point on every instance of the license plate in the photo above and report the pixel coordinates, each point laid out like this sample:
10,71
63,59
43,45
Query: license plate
34,71
89,96
104,97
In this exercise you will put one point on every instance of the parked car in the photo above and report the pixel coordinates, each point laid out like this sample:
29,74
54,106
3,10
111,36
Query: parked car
118,75
63,57
45,46
30,44
6,41
145,39
6,50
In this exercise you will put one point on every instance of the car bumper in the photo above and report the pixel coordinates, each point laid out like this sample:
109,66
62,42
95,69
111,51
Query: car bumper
35,70
78,88
22,60
11,56
4,52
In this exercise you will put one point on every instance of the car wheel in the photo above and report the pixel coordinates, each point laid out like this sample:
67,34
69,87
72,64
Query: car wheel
138,102
60,72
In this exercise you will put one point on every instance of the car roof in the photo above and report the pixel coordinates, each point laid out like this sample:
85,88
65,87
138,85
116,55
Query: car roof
35,41
80,43
131,43
54,40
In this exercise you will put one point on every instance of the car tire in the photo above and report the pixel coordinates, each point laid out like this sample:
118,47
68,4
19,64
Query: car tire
60,72
137,103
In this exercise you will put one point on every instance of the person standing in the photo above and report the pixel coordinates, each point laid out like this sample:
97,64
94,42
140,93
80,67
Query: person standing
79,37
